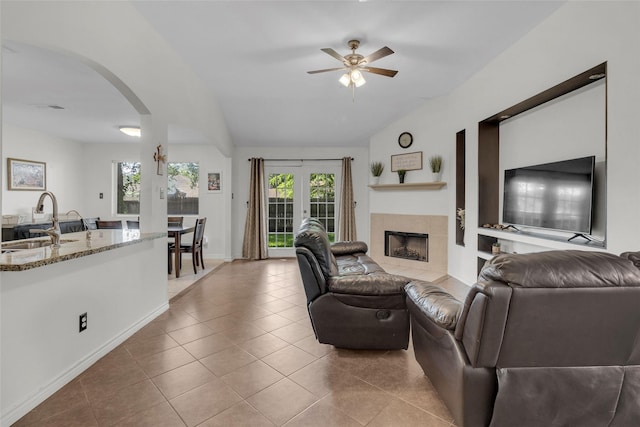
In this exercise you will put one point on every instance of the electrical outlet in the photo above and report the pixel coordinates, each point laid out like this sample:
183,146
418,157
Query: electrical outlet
101,195
83,322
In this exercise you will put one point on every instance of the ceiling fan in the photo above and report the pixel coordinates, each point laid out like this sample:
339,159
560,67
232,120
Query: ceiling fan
355,64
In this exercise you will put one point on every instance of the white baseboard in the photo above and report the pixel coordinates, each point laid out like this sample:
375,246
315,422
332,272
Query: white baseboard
64,378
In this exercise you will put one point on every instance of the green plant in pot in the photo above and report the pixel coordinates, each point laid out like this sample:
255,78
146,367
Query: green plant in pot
401,175
435,163
376,171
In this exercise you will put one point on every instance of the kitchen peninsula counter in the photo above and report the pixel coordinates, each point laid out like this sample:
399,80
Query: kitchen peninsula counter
116,281
74,245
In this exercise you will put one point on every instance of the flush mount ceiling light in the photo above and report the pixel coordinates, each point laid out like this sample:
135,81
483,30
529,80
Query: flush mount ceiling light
130,130
355,64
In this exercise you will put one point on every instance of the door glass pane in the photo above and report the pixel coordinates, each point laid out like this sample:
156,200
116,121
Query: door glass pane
322,201
280,210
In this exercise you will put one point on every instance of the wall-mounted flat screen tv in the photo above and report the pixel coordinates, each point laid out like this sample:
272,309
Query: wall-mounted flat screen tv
557,196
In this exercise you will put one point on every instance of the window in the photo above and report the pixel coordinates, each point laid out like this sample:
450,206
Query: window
182,188
128,188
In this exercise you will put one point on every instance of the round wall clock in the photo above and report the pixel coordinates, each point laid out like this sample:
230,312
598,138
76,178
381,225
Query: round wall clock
405,140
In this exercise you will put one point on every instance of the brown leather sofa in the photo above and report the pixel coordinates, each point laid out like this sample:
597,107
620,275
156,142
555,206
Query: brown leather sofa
544,339
352,301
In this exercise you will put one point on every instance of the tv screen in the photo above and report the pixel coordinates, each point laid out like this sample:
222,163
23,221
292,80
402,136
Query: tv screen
555,196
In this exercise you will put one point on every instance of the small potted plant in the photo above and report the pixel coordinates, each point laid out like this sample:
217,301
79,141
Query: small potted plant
401,174
376,171
495,248
435,163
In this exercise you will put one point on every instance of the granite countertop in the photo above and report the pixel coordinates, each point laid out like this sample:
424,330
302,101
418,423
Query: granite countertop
38,222
73,245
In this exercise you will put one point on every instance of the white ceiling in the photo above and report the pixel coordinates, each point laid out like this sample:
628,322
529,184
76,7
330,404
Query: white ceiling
255,56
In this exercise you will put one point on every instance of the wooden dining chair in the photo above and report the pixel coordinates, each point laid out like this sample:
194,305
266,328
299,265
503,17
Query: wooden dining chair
109,225
133,225
175,221
194,248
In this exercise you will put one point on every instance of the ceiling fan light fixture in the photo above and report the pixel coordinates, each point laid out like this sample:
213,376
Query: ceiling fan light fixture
130,130
357,78
355,65
345,80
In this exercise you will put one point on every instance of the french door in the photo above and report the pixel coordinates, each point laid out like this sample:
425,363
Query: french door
294,193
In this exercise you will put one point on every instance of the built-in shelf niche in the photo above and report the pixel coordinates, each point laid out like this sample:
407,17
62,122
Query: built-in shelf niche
489,150
460,184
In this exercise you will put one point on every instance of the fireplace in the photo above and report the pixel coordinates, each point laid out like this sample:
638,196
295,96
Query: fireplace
412,246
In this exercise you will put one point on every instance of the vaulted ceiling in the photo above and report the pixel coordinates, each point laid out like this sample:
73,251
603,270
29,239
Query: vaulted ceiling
254,55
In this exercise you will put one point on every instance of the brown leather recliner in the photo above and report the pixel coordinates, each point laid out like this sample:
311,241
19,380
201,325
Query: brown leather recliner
352,301
543,339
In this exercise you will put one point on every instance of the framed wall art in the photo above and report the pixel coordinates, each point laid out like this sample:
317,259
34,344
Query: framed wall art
214,182
408,162
26,175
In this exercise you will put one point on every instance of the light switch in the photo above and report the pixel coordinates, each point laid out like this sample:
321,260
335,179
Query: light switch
162,193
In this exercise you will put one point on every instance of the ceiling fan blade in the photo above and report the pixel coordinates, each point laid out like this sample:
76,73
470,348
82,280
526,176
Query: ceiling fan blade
325,70
380,53
333,53
381,71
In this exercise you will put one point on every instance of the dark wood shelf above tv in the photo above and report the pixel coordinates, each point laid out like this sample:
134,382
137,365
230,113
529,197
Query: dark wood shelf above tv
581,80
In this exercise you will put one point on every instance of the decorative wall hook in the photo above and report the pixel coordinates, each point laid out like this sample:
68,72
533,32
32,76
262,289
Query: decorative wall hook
159,157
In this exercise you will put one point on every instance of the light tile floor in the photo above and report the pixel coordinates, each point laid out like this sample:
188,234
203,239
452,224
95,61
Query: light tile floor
187,276
237,349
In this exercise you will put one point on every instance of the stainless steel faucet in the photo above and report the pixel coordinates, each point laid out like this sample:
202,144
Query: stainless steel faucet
53,232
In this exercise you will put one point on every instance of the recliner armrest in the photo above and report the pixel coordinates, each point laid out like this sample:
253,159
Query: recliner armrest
368,284
435,303
348,248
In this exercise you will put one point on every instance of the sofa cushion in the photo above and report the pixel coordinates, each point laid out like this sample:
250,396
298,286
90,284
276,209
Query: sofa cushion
434,302
357,264
561,269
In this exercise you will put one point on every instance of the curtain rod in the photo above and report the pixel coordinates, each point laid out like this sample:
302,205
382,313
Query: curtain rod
299,160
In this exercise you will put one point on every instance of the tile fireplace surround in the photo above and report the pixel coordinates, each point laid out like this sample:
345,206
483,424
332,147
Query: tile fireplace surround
435,226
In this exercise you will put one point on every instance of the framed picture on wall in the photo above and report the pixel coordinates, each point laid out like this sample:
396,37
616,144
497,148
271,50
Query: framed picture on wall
214,182
26,175
408,161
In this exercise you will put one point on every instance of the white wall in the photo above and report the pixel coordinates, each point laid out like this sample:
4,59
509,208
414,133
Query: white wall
114,39
77,173
99,179
241,175
214,206
579,36
430,137
64,168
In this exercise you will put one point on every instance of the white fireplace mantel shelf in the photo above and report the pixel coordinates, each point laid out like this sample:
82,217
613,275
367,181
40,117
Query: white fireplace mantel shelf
410,186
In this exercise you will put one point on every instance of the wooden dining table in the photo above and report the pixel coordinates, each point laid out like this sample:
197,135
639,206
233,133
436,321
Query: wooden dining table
176,231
